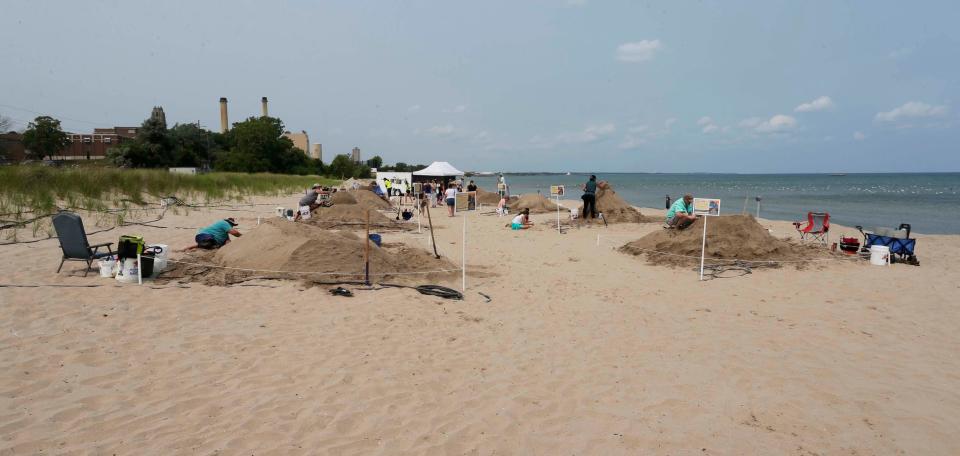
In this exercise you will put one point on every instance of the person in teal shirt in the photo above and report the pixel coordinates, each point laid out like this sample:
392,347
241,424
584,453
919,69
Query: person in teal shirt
680,214
215,235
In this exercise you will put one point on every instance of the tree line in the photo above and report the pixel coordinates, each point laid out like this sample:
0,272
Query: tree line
254,145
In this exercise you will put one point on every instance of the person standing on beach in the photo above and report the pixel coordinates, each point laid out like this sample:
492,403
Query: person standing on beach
450,195
680,214
590,197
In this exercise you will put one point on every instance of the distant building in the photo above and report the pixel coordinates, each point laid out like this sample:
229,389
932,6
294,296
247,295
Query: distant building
355,156
11,147
300,140
92,146
317,152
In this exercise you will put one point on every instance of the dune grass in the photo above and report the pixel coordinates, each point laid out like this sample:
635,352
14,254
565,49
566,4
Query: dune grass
27,192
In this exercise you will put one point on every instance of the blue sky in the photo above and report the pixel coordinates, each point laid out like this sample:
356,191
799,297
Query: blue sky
589,85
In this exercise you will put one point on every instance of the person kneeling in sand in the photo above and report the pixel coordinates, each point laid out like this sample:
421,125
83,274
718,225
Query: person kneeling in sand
521,221
680,214
215,235
309,200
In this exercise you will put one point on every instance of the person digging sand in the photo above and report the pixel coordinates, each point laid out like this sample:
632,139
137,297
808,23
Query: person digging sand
310,200
521,221
215,236
680,214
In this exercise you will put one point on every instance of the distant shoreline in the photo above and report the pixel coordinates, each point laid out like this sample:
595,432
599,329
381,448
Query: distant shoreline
587,173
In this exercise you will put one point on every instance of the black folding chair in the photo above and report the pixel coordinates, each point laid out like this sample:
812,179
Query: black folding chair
73,241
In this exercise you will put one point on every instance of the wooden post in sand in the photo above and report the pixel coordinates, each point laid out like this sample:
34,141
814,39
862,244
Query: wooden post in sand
366,253
433,240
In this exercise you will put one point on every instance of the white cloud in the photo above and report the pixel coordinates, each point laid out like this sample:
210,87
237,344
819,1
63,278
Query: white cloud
900,53
638,129
779,122
590,134
669,122
859,136
751,122
632,142
710,129
911,109
708,125
456,109
414,108
639,51
437,131
819,104
704,121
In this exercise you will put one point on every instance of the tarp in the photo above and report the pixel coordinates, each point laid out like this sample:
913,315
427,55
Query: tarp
439,169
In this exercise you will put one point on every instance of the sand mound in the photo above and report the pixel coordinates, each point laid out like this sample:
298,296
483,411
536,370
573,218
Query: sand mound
487,198
615,209
342,198
728,237
351,216
277,249
367,198
536,202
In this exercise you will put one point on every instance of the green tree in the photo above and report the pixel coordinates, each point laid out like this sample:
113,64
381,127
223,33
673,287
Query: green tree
192,145
152,148
341,166
258,145
44,138
375,162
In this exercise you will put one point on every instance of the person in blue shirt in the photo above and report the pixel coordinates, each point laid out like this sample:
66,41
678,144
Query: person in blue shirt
680,214
215,235
589,198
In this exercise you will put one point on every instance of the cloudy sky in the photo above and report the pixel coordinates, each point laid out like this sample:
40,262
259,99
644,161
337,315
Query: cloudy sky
552,85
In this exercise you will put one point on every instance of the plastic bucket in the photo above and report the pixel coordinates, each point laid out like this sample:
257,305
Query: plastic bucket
106,267
376,239
879,255
128,271
305,212
159,250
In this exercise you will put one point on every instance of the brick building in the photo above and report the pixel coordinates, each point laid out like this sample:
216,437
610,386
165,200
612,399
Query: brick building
89,146
11,147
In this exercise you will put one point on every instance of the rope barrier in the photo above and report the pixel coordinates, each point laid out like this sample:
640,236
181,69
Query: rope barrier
361,274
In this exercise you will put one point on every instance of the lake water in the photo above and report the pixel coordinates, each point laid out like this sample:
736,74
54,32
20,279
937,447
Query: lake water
930,202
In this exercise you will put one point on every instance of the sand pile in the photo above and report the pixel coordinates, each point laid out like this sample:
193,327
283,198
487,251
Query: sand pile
350,216
728,237
342,198
365,197
276,248
615,209
536,202
487,198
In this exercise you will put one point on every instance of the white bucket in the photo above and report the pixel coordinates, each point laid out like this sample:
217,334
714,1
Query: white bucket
305,212
879,255
160,250
159,265
281,212
128,271
106,267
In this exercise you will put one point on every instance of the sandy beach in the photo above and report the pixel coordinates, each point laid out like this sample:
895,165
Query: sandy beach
581,349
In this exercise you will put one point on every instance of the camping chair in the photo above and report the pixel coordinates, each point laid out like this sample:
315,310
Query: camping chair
818,225
73,241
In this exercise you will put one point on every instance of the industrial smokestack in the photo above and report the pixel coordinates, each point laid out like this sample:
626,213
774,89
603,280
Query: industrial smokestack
263,102
224,123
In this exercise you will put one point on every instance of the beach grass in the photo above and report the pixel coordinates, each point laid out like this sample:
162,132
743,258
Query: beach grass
28,192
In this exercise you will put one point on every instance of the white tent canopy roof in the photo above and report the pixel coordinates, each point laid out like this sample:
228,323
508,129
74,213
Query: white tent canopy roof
439,169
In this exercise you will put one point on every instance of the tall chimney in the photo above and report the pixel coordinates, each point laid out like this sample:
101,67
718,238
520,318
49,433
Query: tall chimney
263,102
224,123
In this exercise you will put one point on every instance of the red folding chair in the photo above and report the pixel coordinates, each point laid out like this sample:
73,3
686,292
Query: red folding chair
817,228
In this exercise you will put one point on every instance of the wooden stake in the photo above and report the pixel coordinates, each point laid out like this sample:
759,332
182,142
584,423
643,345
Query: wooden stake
366,253
433,240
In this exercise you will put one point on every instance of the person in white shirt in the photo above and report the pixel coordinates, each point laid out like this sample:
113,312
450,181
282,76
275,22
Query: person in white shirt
451,196
521,221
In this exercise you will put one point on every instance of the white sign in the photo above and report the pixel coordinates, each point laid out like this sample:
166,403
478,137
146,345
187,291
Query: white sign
706,206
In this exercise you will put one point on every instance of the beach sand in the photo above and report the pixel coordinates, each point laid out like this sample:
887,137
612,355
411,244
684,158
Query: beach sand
580,350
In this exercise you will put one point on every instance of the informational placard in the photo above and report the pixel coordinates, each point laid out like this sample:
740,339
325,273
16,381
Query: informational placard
466,201
324,196
502,189
417,188
556,190
706,206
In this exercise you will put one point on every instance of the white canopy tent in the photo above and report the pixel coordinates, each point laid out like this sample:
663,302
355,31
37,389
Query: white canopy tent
439,169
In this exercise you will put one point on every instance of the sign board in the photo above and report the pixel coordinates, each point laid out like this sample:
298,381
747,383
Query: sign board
706,206
556,190
323,196
417,188
466,201
502,189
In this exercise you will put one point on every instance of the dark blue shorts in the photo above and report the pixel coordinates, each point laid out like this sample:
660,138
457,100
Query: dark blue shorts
207,241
